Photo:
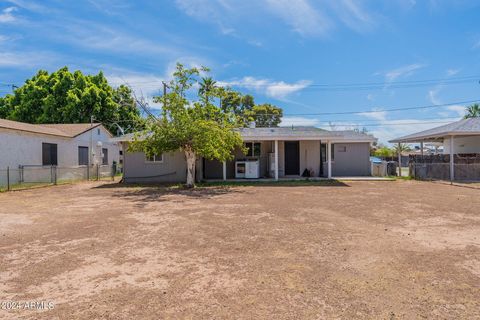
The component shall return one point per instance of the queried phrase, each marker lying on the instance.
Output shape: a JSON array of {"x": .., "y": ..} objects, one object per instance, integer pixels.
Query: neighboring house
[
  {"x": 462, "y": 136},
  {"x": 281, "y": 152},
  {"x": 459, "y": 140},
  {"x": 62, "y": 145}
]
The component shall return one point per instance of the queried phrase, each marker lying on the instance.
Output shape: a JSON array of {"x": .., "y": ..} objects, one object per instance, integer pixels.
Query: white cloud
[
  {"x": 460, "y": 110},
  {"x": 432, "y": 95},
  {"x": 98, "y": 37},
  {"x": 299, "y": 121},
  {"x": 376, "y": 115},
  {"x": 304, "y": 17},
  {"x": 148, "y": 85},
  {"x": 402, "y": 72},
  {"x": 301, "y": 16},
  {"x": 273, "y": 89},
  {"x": 452, "y": 72},
  {"x": 353, "y": 15},
  {"x": 7, "y": 15},
  {"x": 26, "y": 59},
  {"x": 29, "y": 5}
]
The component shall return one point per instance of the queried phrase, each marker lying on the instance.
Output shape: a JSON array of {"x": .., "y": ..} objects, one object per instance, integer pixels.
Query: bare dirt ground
[{"x": 359, "y": 250}]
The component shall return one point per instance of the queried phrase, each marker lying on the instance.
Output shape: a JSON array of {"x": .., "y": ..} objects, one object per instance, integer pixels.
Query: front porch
[{"x": 273, "y": 160}]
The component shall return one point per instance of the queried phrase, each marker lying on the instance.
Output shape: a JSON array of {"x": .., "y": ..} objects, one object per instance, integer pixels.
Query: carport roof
[{"x": 464, "y": 127}]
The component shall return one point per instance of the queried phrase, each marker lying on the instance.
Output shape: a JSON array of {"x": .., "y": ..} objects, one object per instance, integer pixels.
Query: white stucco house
[
  {"x": 62, "y": 145},
  {"x": 460, "y": 142}
]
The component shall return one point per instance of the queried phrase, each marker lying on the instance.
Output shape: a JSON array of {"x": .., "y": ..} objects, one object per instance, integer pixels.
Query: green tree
[
  {"x": 265, "y": 115},
  {"x": 66, "y": 97},
  {"x": 3, "y": 108},
  {"x": 473, "y": 111},
  {"x": 197, "y": 128},
  {"x": 383, "y": 152},
  {"x": 401, "y": 147},
  {"x": 207, "y": 88}
]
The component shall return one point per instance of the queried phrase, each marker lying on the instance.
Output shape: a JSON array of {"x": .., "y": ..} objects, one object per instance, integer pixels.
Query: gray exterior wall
[
  {"x": 172, "y": 169},
  {"x": 354, "y": 161},
  {"x": 350, "y": 159}
]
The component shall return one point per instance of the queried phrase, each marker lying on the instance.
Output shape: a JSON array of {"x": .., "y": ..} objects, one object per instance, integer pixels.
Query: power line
[
  {"x": 344, "y": 86},
  {"x": 380, "y": 111},
  {"x": 383, "y": 124}
]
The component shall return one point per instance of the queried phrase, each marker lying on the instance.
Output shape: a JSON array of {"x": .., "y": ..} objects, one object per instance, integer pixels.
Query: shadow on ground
[{"x": 159, "y": 192}]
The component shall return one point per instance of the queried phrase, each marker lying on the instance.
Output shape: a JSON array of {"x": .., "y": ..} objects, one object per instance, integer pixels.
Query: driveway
[{"x": 363, "y": 250}]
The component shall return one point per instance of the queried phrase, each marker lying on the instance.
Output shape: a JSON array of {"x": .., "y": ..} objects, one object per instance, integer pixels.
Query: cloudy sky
[{"x": 315, "y": 59}]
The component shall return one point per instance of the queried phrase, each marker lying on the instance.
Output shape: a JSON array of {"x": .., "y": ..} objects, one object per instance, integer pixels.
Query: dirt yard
[{"x": 360, "y": 250}]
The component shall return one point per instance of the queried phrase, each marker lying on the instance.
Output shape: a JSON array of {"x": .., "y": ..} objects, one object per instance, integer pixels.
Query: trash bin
[{"x": 392, "y": 168}]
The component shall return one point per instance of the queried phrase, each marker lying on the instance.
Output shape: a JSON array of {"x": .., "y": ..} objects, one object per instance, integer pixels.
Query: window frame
[
  {"x": 104, "y": 152},
  {"x": 251, "y": 149},
  {"x": 50, "y": 155},
  {"x": 88, "y": 155}
]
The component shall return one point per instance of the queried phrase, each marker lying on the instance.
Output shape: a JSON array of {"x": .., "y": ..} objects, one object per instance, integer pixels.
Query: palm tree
[
  {"x": 473, "y": 111},
  {"x": 207, "y": 87},
  {"x": 401, "y": 147}
]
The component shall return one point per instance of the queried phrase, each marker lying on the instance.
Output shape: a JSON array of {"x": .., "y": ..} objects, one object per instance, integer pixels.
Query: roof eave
[{"x": 432, "y": 137}]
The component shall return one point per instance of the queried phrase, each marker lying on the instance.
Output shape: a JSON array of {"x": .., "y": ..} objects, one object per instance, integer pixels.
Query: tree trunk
[{"x": 190, "y": 157}]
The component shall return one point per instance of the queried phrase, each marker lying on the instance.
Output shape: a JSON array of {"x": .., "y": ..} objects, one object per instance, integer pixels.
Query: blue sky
[{"x": 273, "y": 49}]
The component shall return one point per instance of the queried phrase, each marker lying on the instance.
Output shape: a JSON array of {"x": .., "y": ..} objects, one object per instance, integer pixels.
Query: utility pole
[
  {"x": 165, "y": 86},
  {"x": 90, "y": 156}
]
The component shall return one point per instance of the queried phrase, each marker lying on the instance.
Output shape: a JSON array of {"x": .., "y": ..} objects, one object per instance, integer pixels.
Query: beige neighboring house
[{"x": 63, "y": 145}]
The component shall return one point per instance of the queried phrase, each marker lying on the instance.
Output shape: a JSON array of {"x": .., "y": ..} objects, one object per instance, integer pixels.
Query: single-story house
[
  {"x": 62, "y": 145},
  {"x": 460, "y": 138},
  {"x": 280, "y": 152}
]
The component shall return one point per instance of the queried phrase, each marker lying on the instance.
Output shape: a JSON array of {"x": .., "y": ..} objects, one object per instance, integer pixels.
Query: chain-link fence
[{"x": 24, "y": 177}]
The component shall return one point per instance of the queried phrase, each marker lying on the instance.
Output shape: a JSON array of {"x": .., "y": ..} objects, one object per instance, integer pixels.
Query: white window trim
[{"x": 154, "y": 159}]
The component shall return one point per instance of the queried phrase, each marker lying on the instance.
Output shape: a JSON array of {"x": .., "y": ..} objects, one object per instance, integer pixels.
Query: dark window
[
  {"x": 120, "y": 152},
  {"x": 98, "y": 131},
  {"x": 104, "y": 156},
  {"x": 324, "y": 152},
  {"x": 253, "y": 149},
  {"x": 49, "y": 154},
  {"x": 83, "y": 156}
]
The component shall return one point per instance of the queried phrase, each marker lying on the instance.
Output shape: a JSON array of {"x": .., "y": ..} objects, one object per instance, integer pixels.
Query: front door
[{"x": 292, "y": 158}]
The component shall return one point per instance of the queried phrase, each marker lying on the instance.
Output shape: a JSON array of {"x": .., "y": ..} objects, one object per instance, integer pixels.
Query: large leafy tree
[
  {"x": 246, "y": 111},
  {"x": 266, "y": 115},
  {"x": 473, "y": 111},
  {"x": 198, "y": 128},
  {"x": 66, "y": 97}
]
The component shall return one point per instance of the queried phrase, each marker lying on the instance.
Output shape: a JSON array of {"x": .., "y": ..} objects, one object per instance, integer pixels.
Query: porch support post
[
  {"x": 421, "y": 148},
  {"x": 452, "y": 161},
  {"x": 276, "y": 159},
  {"x": 399, "y": 159},
  {"x": 224, "y": 170},
  {"x": 329, "y": 160}
]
